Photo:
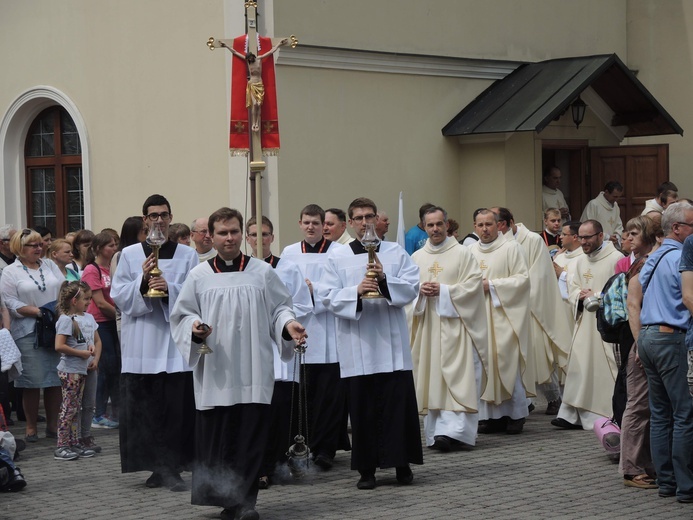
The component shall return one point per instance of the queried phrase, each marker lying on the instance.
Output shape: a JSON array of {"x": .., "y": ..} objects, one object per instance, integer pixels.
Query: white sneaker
[{"x": 65, "y": 453}]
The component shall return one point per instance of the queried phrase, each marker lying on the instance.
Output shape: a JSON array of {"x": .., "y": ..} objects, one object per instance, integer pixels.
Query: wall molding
[{"x": 394, "y": 63}]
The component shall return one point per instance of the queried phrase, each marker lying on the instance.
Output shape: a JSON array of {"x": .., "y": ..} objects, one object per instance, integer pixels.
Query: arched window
[{"x": 53, "y": 159}]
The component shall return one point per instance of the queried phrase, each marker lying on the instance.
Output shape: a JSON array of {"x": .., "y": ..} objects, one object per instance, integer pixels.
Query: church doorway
[{"x": 571, "y": 159}]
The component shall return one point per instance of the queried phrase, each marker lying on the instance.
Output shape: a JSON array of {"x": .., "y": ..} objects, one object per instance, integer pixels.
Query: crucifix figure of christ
[{"x": 255, "y": 90}]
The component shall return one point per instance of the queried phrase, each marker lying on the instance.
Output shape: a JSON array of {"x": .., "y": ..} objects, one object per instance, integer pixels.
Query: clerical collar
[
  {"x": 357, "y": 247},
  {"x": 219, "y": 265},
  {"x": 439, "y": 246},
  {"x": 549, "y": 232},
  {"x": 166, "y": 251},
  {"x": 320, "y": 247},
  {"x": 482, "y": 245}
]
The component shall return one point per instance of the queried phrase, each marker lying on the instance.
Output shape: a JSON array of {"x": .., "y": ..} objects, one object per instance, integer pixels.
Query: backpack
[{"x": 612, "y": 314}]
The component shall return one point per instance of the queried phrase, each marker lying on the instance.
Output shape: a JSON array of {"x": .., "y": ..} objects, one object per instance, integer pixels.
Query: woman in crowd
[
  {"x": 97, "y": 275},
  {"x": 26, "y": 285},
  {"x": 636, "y": 461},
  {"x": 80, "y": 246},
  {"x": 132, "y": 232},
  {"x": 46, "y": 238},
  {"x": 60, "y": 253},
  {"x": 179, "y": 233}
]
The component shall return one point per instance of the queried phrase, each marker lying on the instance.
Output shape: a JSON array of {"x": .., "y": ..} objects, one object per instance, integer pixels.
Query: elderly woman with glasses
[{"x": 26, "y": 285}]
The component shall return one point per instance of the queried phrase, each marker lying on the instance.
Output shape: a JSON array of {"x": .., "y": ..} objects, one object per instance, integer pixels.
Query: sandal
[{"x": 643, "y": 481}]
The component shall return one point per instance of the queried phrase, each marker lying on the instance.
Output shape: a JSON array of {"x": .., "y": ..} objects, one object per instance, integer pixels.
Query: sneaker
[
  {"x": 82, "y": 451},
  {"x": 104, "y": 423},
  {"x": 65, "y": 453},
  {"x": 88, "y": 442}
]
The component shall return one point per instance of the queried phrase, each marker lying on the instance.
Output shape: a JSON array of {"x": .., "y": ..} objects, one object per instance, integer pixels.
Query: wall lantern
[{"x": 578, "y": 110}]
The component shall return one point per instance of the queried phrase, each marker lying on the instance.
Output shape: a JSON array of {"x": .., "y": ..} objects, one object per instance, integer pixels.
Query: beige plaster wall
[
  {"x": 350, "y": 134},
  {"x": 660, "y": 48},
  {"x": 152, "y": 95},
  {"x": 525, "y": 30}
]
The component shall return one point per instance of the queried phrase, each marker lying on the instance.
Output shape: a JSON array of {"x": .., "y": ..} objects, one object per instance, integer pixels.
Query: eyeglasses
[
  {"x": 264, "y": 235},
  {"x": 26, "y": 232},
  {"x": 587, "y": 237},
  {"x": 359, "y": 218},
  {"x": 202, "y": 232},
  {"x": 35, "y": 246},
  {"x": 684, "y": 224},
  {"x": 155, "y": 216}
]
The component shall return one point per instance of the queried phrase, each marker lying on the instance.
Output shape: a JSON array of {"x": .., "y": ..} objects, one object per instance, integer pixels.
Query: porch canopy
[{"x": 535, "y": 94}]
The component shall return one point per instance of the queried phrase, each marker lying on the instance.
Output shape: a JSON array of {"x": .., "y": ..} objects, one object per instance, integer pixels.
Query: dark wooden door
[{"x": 639, "y": 168}]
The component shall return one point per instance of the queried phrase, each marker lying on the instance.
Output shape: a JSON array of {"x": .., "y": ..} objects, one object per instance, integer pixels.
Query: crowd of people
[{"x": 194, "y": 339}]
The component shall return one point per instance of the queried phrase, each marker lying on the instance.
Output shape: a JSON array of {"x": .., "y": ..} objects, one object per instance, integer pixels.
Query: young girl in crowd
[{"x": 77, "y": 341}]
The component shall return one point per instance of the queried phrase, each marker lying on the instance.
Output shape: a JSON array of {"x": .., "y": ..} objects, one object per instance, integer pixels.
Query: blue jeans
[
  {"x": 108, "y": 382},
  {"x": 664, "y": 359}
]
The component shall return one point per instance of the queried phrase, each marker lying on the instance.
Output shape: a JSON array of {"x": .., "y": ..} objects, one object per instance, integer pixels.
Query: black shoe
[
  {"x": 154, "y": 481},
  {"x": 531, "y": 407},
  {"x": 174, "y": 482},
  {"x": 515, "y": 426},
  {"x": 247, "y": 513},
  {"x": 40, "y": 418},
  {"x": 16, "y": 482},
  {"x": 442, "y": 443},
  {"x": 667, "y": 493},
  {"x": 263, "y": 482},
  {"x": 562, "y": 423},
  {"x": 553, "y": 407},
  {"x": 404, "y": 475},
  {"x": 367, "y": 481},
  {"x": 493, "y": 425},
  {"x": 685, "y": 500},
  {"x": 228, "y": 514},
  {"x": 324, "y": 462}
]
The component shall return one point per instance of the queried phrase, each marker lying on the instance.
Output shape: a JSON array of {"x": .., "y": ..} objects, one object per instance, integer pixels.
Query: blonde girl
[{"x": 77, "y": 341}]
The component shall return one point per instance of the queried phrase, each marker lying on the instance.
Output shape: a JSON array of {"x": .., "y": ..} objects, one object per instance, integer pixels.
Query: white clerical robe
[
  {"x": 345, "y": 239},
  {"x": 247, "y": 310},
  {"x": 146, "y": 344},
  {"x": 507, "y": 305},
  {"x": 592, "y": 369},
  {"x": 652, "y": 205},
  {"x": 449, "y": 342},
  {"x": 319, "y": 323},
  {"x": 374, "y": 338},
  {"x": 609, "y": 216},
  {"x": 550, "y": 332},
  {"x": 552, "y": 199},
  {"x": 291, "y": 276}
]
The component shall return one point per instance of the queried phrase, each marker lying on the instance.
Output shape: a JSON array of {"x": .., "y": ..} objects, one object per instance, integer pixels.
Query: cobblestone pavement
[{"x": 542, "y": 473}]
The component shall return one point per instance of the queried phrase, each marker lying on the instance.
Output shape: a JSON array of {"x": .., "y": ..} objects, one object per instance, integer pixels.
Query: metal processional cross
[{"x": 254, "y": 96}]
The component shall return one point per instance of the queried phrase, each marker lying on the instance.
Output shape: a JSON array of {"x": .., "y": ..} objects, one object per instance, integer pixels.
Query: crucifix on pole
[{"x": 252, "y": 134}]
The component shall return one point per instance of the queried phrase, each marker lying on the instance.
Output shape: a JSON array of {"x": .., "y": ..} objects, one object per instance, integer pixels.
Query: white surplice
[
  {"x": 247, "y": 310},
  {"x": 449, "y": 342},
  {"x": 146, "y": 343},
  {"x": 376, "y": 338},
  {"x": 291, "y": 276},
  {"x": 319, "y": 323}
]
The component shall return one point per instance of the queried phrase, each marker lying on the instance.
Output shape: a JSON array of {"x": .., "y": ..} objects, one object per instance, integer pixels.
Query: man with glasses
[
  {"x": 157, "y": 410},
  {"x": 374, "y": 354},
  {"x": 6, "y": 256},
  {"x": 327, "y": 405},
  {"x": 592, "y": 370},
  {"x": 202, "y": 239},
  {"x": 662, "y": 350}
]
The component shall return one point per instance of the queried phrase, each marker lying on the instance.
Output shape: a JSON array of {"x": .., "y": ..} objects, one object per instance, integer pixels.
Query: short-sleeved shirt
[
  {"x": 99, "y": 279},
  {"x": 64, "y": 327},
  {"x": 686, "y": 264}
]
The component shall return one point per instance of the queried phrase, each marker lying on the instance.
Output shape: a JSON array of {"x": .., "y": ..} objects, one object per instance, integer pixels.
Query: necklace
[{"x": 43, "y": 280}]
